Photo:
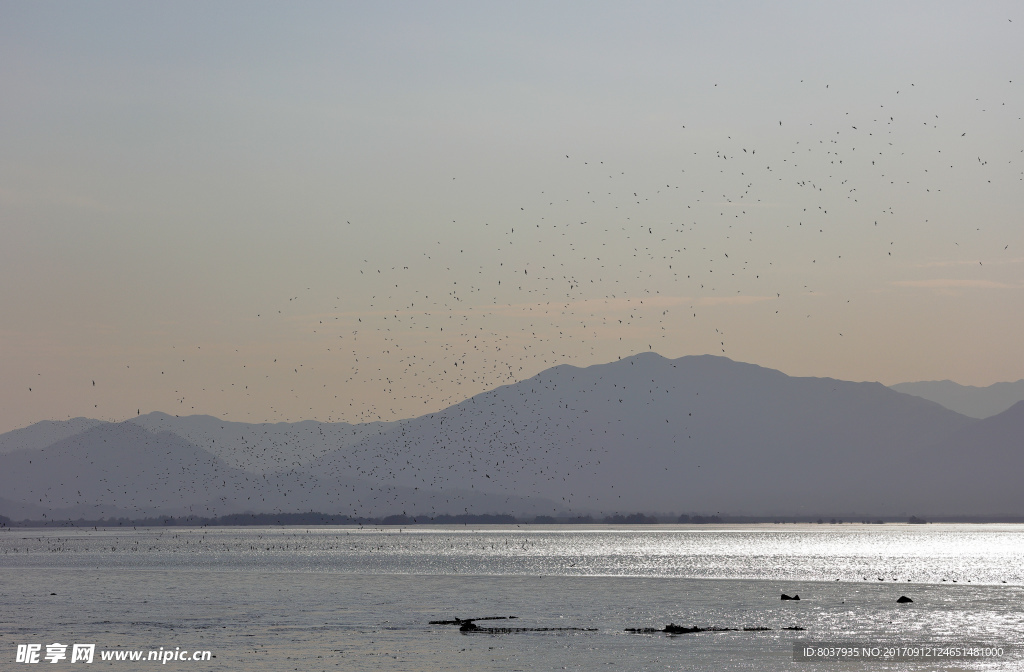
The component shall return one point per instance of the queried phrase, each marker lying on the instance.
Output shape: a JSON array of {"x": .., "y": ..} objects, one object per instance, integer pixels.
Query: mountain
[
  {"x": 123, "y": 469},
  {"x": 974, "y": 402},
  {"x": 977, "y": 469},
  {"x": 115, "y": 468},
  {"x": 701, "y": 434},
  {"x": 262, "y": 448},
  {"x": 44, "y": 433}
]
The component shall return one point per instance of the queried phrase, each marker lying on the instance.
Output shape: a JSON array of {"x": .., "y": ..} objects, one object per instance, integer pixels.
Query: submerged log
[
  {"x": 470, "y": 626},
  {"x": 460, "y": 621}
]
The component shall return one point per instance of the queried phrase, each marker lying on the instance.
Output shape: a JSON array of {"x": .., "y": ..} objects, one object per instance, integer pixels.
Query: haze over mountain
[
  {"x": 122, "y": 469},
  {"x": 44, "y": 433},
  {"x": 700, "y": 434},
  {"x": 979, "y": 463},
  {"x": 262, "y": 448},
  {"x": 975, "y": 402}
]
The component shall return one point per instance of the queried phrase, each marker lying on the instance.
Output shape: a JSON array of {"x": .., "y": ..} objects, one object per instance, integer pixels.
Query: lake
[{"x": 346, "y": 598}]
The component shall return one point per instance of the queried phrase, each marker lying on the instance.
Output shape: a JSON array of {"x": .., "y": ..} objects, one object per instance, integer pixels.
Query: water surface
[{"x": 361, "y": 599}]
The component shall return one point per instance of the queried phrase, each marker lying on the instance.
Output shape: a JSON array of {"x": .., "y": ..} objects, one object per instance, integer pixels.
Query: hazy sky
[{"x": 353, "y": 211}]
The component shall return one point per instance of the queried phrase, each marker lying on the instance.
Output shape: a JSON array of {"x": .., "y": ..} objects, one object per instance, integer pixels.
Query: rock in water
[
  {"x": 904, "y": 599},
  {"x": 787, "y": 597}
]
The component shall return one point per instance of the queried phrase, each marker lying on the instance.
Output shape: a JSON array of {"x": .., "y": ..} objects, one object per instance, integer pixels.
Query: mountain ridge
[
  {"x": 974, "y": 402},
  {"x": 697, "y": 434}
]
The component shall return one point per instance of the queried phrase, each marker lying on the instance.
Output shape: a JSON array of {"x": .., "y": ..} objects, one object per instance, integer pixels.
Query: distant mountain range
[
  {"x": 974, "y": 402},
  {"x": 700, "y": 434}
]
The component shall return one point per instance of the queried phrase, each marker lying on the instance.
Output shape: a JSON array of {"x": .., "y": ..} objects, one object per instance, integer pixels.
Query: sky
[{"x": 371, "y": 211}]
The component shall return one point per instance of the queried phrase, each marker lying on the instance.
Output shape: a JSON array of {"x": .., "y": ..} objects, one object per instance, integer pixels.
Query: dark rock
[
  {"x": 787, "y": 597},
  {"x": 673, "y": 629},
  {"x": 904, "y": 599}
]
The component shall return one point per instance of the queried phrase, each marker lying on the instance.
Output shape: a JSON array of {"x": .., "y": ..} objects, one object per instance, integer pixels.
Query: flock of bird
[
  {"x": 607, "y": 262},
  {"x": 610, "y": 256}
]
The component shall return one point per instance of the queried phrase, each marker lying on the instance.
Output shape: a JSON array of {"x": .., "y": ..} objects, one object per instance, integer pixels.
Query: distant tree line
[
  {"x": 243, "y": 519},
  {"x": 316, "y": 518}
]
